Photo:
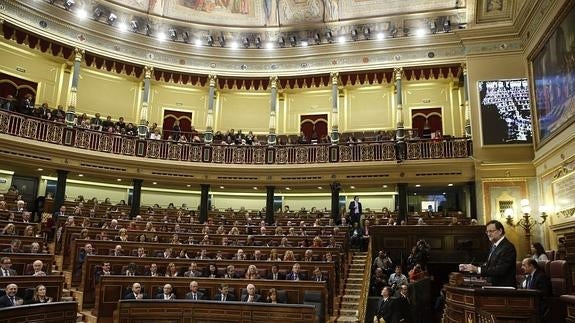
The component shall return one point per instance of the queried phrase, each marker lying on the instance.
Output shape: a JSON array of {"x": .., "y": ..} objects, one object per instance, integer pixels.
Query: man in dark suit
[
  {"x": 105, "y": 271},
  {"x": 5, "y": 269},
  {"x": 500, "y": 266},
  {"x": 167, "y": 294},
  {"x": 275, "y": 274},
  {"x": 224, "y": 294},
  {"x": 535, "y": 278},
  {"x": 10, "y": 298},
  {"x": 404, "y": 304},
  {"x": 295, "y": 274},
  {"x": 386, "y": 307},
  {"x": 193, "y": 271},
  {"x": 136, "y": 292},
  {"x": 355, "y": 235},
  {"x": 251, "y": 296},
  {"x": 355, "y": 210},
  {"x": 153, "y": 271},
  {"x": 194, "y": 294}
]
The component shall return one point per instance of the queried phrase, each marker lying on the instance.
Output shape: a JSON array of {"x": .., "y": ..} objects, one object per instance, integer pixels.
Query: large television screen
[{"x": 505, "y": 112}]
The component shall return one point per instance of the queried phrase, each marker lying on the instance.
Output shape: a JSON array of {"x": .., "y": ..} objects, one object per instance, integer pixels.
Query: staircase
[
  {"x": 69, "y": 294},
  {"x": 349, "y": 301}
]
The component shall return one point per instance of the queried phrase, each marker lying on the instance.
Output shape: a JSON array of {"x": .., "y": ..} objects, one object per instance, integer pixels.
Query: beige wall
[
  {"x": 302, "y": 103},
  {"x": 243, "y": 110},
  {"x": 101, "y": 192},
  {"x": 320, "y": 202},
  {"x": 108, "y": 93},
  {"x": 165, "y": 197},
  {"x": 21, "y": 62},
  {"x": 178, "y": 97},
  {"x": 367, "y": 108},
  {"x": 249, "y": 201}
]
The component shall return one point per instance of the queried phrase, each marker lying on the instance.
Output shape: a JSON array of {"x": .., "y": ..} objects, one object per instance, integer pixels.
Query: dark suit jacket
[
  {"x": 388, "y": 310},
  {"x": 197, "y": 273},
  {"x": 257, "y": 298},
  {"x": 5, "y": 301},
  {"x": 291, "y": 276},
  {"x": 541, "y": 282},
  {"x": 161, "y": 296},
  {"x": 229, "y": 298},
  {"x": 500, "y": 267},
  {"x": 130, "y": 295},
  {"x": 404, "y": 309},
  {"x": 12, "y": 272},
  {"x": 352, "y": 208},
  {"x": 200, "y": 295}
]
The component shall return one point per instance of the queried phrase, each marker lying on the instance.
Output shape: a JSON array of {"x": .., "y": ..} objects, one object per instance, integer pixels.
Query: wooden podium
[{"x": 483, "y": 305}]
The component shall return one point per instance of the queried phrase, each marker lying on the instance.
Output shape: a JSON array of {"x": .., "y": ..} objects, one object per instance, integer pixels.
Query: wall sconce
[
  {"x": 508, "y": 214},
  {"x": 526, "y": 222}
]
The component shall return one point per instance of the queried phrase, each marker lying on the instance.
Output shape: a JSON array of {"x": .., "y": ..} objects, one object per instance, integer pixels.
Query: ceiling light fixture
[
  {"x": 172, "y": 33},
  {"x": 317, "y": 38},
  {"x": 432, "y": 27},
  {"x": 123, "y": 27},
  {"x": 222, "y": 40},
  {"x": 367, "y": 33},
  {"x": 234, "y": 45},
  {"x": 148, "y": 30},
  {"x": 210, "y": 40},
  {"x": 270, "y": 45},
  {"x": 68, "y": 4},
  {"x": 198, "y": 42},
  {"x": 447, "y": 26},
  {"x": 329, "y": 37},
  {"x": 134, "y": 26},
  {"x": 98, "y": 13},
  {"x": 282, "y": 42},
  {"x": 258, "y": 42},
  {"x": 161, "y": 36},
  {"x": 354, "y": 34},
  {"x": 186, "y": 36},
  {"x": 304, "y": 43},
  {"x": 393, "y": 32},
  {"x": 420, "y": 32},
  {"x": 246, "y": 42},
  {"x": 341, "y": 39},
  {"x": 380, "y": 36},
  {"x": 80, "y": 175},
  {"x": 293, "y": 41},
  {"x": 82, "y": 14}
]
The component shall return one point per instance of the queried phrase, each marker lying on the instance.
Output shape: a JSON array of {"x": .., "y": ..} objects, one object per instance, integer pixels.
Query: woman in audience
[
  {"x": 211, "y": 271},
  {"x": 29, "y": 231},
  {"x": 274, "y": 255},
  {"x": 234, "y": 231},
  {"x": 35, "y": 247},
  {"x": 171, "y": 270},
  {"x": 252, "y": 272},
  {"x": 122, "y": 235},
  {"x": 141, "y": 238},
  {"x": 538, "y": 252},
  {"x": 272, "y": 296},
  {"x": 9, "y": 230},
  {"x": 40, "y": 296},
  {"x": 289, "y": 256}
]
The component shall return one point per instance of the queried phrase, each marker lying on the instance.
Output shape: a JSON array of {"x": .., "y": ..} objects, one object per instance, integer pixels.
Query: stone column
[
  {"x": 466, "y": 101},
  {"x": 204, "y": 203},
  {"x": 136, "y": 197},
  {"x": 400, "y": 131},
  {"x": 272, "y": 136},
  {"x": 60, "y": 189},
  {"x": 270, "y": 212},
  {"x": 472, "y": 200},
  {"x": 209, "y": 134},
  {"x": 73, "y": 97},
  {"x": 402, "y": 202},
  {"x": 334, "y": 104},
  {"x": 143, "y": 126},
  {"x": 335, "y": 189}
]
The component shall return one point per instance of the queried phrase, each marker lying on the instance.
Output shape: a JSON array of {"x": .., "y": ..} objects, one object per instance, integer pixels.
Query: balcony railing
[{"x": 59, "y": 134}]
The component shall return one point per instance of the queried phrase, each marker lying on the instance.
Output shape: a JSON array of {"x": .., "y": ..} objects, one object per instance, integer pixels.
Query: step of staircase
[
  {"x": 347, "y": 319},
  {"x": 349, "y": 301},
  {"x": 88, "y": 317}
]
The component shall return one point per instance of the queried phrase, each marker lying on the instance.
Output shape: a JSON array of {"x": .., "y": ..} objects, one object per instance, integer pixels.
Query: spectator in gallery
[
  {"x": 40, "y": 296},
  {"x": 176, "y": 131},
  {"x": 538, "y": 252}
]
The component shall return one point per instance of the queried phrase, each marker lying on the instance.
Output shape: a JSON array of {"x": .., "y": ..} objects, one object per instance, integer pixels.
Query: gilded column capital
[
  {"x": 148, "y": 71},
  {"x": 213, "y": 78},
  {"x": 398, "y": 72},
  {"x": 78, "y": 54},
  {"x": 334, "y": 78},
  {"x": 274, "y": 81}
]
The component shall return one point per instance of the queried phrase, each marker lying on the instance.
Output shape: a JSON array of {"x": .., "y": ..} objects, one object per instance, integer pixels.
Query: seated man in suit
[
  {"x": 6, "y": 270},
  {"x": 317, "y": 275},
  {"x": 251, "y": 296},
  {"x": 136, "y": 292},
  {"x": 224, "y": 294},
  {"x": 167, "y": 294},
  {"x": 274, "y": 274},
  {"x": 14, "y": 247},
  {"x": 231, "y": 272},
  {"x": 194, "y": 294},
  {"x": 10, "y": 299},
  {"x": 386, "y": 308},
  {"x": 37, "y": 266},
  {"x": 535, "y": 278},
  {"x": 193, "y": 271},
  {"x": 295, "y": 273},
  {"x": 117, "y": 252},
  {"x": 105, "y": 271}
]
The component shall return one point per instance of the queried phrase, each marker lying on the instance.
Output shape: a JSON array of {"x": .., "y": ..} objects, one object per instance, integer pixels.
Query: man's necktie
[
  {"x": 491, "y": 251},
  {"x": 528, "y": 282},
  {"x": 13, "y": 300},
  {"x": 6, "y": 272}
]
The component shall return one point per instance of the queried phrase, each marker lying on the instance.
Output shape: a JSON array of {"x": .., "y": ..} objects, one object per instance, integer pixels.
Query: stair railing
[{"x": 363, "y": 297}]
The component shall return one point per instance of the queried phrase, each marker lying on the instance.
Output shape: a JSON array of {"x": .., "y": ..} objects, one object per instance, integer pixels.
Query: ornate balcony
[{"x": 59, "y": 134}]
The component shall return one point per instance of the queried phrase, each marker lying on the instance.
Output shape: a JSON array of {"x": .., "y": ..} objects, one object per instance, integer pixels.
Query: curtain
[
  {"x": 16, "y": 87},
  {"x": 420, "y": 118},
  {"x": 311, "y": 123},
  {"x": 170, "y": 116}
]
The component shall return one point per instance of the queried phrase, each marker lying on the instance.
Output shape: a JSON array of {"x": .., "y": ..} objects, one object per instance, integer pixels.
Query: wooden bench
[
  {"x": 26, "y": 242},
  {"x": 93, "y": 263},
  {"x": 183, "y": 311},
  {"x": 54, "y": 284},
  {"x": 22, "y": 262},
  {"x": 56, "y": 312},
  {"x": 112, "y": 289}
]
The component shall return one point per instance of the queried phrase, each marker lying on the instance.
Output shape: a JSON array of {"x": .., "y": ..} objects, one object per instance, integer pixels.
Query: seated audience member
[
  {"x": 136, "y": 292},
  {"x": 274, "y": 274},
  {"x": 37, "y": 266},
  {"x": 105, "y": 271},
  {"x": 6, "y": 270},
  {"x": 386, "y": 307},
  {"x": 317, "y": 275},
  {"x": 356, "y": 234},
  {"x": 40, "y": 296},
  {"x": 240, "y": 255},
  {"x": 203, "y": 255},
  {"x": 252, "y": 272},
  {"x": 231, "y": 272},
  {"x": 131, "y": 270},
  {"x": 194, "y": 294},
  {"x": 35, "y": 248},
  {"x": 397, "y": 279},
  {"x": 153, "y": 271},
  {"x": 272, "y": 297},
  {"x": 251, "y": 296},
  {"x": 538, "y": 252},
  {"x": 383, "y": 261},
  {"x": 224, "y": 294},
  {"x": 172, "y": 271},
  {"x": 9, "y": 230},
  {"x": 167, "y": 293},
  {"x": 14, "y": 247},
  {"x": 117, "y": 252},
  {"x": 295, "y": 273},
  {"x": 10, "y": 298},
  {"x": 535, "y": 278},
  {"x": 211, "y": 271},
  {"x": 141, "y": 252},
  {"x": 193, "y": 271},
  {"x": 378, "y": 281}
]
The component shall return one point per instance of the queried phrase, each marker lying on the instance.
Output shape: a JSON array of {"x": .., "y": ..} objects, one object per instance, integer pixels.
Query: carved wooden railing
[{"x": 59, "y": 134}]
